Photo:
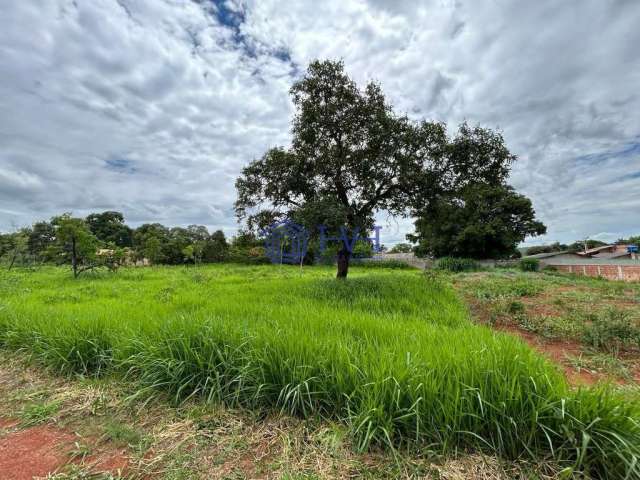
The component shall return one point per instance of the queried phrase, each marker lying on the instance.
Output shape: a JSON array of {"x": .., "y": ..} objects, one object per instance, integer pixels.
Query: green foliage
[
  {"x": 401, "y": 248},
  {"x": 529, "y": 264},
  {"x": 362, "y": 249},
  {"x": 389, "y": 264},
  {"x": 479, "y": 221},
  {"x": 41, "y": 238},
  {"x": 109, "y": 227},
  {"x": 189, "y": 253},
  {"x": 580, "y": 245},
  {"x": 611, "y": 330},
  {"x": 554, "y": 247},
  {"x": 112, "y": 257},
  {"x": 38, "y": 412},
  {"x": 14, "y": 249},
  {"x": 453, "y": 264},
  {"x": 122, "y": 434},
  {"x": 390, "y": 354},
  {"x": 178, "y": 245},
  {"x": 216, "y": 247},
  {"x": 505, "y": 288}
]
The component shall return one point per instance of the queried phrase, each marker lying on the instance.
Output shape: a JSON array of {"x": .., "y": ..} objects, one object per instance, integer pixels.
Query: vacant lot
[
  {"x": 392, "y": 356},
  {"x": 590, "y": 326}
]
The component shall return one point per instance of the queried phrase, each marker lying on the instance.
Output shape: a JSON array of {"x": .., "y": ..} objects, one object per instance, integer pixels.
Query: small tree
[
  {"x": 152, "y": 249},
  {"x": 16, "y": 248},
  {"x": 76, "y": 241},
  {"x": 193, "y": 253}
]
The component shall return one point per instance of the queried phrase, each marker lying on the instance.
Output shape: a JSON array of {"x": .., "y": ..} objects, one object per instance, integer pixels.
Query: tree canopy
[
  {"x": 110, "y": 227},
  {"x": 479, "y": 221},
  {"x": 351, "y": 155}
]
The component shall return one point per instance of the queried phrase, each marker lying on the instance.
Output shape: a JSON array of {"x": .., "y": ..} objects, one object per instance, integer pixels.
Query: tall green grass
[{"x": 392, "y": 354}]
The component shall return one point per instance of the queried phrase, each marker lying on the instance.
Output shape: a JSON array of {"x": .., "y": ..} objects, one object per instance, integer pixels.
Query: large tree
[
  {"x": 478, "y": 221},
  {"x": 351, "y": 156}
]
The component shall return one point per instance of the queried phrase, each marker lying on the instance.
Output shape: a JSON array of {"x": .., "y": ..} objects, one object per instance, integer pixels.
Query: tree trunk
[
  {"x": 13, "y": 259},
  {"x": 343, "y": 263},
  {"x": 74, "y": 258}
]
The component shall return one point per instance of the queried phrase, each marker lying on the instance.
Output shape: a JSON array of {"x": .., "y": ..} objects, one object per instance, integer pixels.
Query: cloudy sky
[{"x": 152, "y": 107}]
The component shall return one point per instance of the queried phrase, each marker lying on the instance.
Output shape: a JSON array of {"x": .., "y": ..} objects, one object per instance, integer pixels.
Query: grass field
[{"x": 391, "y": 354}]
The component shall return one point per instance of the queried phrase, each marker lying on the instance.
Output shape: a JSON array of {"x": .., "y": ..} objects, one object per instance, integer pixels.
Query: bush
[
  {"x": 529, "y": 264},
  {"x": 393, "y": 264},
  {"x": 611, "y": 331},
  {"x": 401, "y": 248},
  {"x": 251, "y": 256},
  {"x": 508, "y": 288},
  {"x": 453, "y": 264}
]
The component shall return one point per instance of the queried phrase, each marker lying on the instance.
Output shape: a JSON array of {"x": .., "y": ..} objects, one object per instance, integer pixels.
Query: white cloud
[{"x": 153, "y": 107}]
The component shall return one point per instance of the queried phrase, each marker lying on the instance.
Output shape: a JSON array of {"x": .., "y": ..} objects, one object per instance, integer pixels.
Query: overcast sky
[{"x": 152, "y": 107}]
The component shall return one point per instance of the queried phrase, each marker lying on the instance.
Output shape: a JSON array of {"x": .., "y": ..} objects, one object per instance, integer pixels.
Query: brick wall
[{"x": 628, "y": 273}]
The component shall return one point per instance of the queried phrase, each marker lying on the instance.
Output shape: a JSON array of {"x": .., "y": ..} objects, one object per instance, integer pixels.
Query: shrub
[
  {"x": 508, "y": 288},
  {"x": 454, "y": 264},
  {"x": 515, "y": 306},
  {"x": 529, "y": 264},
  {"x": 252, "y": 255},
  {"x": 394, "y": 264},
  {"x": 611, "y": 330},
  {"x": 401, "y": 248}
]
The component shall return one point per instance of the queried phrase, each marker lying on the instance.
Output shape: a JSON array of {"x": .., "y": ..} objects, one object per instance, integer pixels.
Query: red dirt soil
[
  {"x": 556, "y": 350},
  {"x": 34, "y": 452},
  {"x": 45, "y": 449}
]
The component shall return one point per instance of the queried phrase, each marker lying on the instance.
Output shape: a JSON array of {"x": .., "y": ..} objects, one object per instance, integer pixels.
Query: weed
[
  {"x": 515, "y": 307},
  {"x": 529, "y": 264},
  {"x": 511, "y": 288},
  {"x": 38, "y": 412},
  {"x": 122, "y": 434},
  {"x": 602, "y": 363},
  {"x": 453, "y": 264},
  {"x": 611, "y": 330}
]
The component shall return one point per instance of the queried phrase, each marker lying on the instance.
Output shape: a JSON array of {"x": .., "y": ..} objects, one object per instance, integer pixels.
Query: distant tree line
[
  {"x": 105, "y": 240},
  {"x": 578, "y": 246}
]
